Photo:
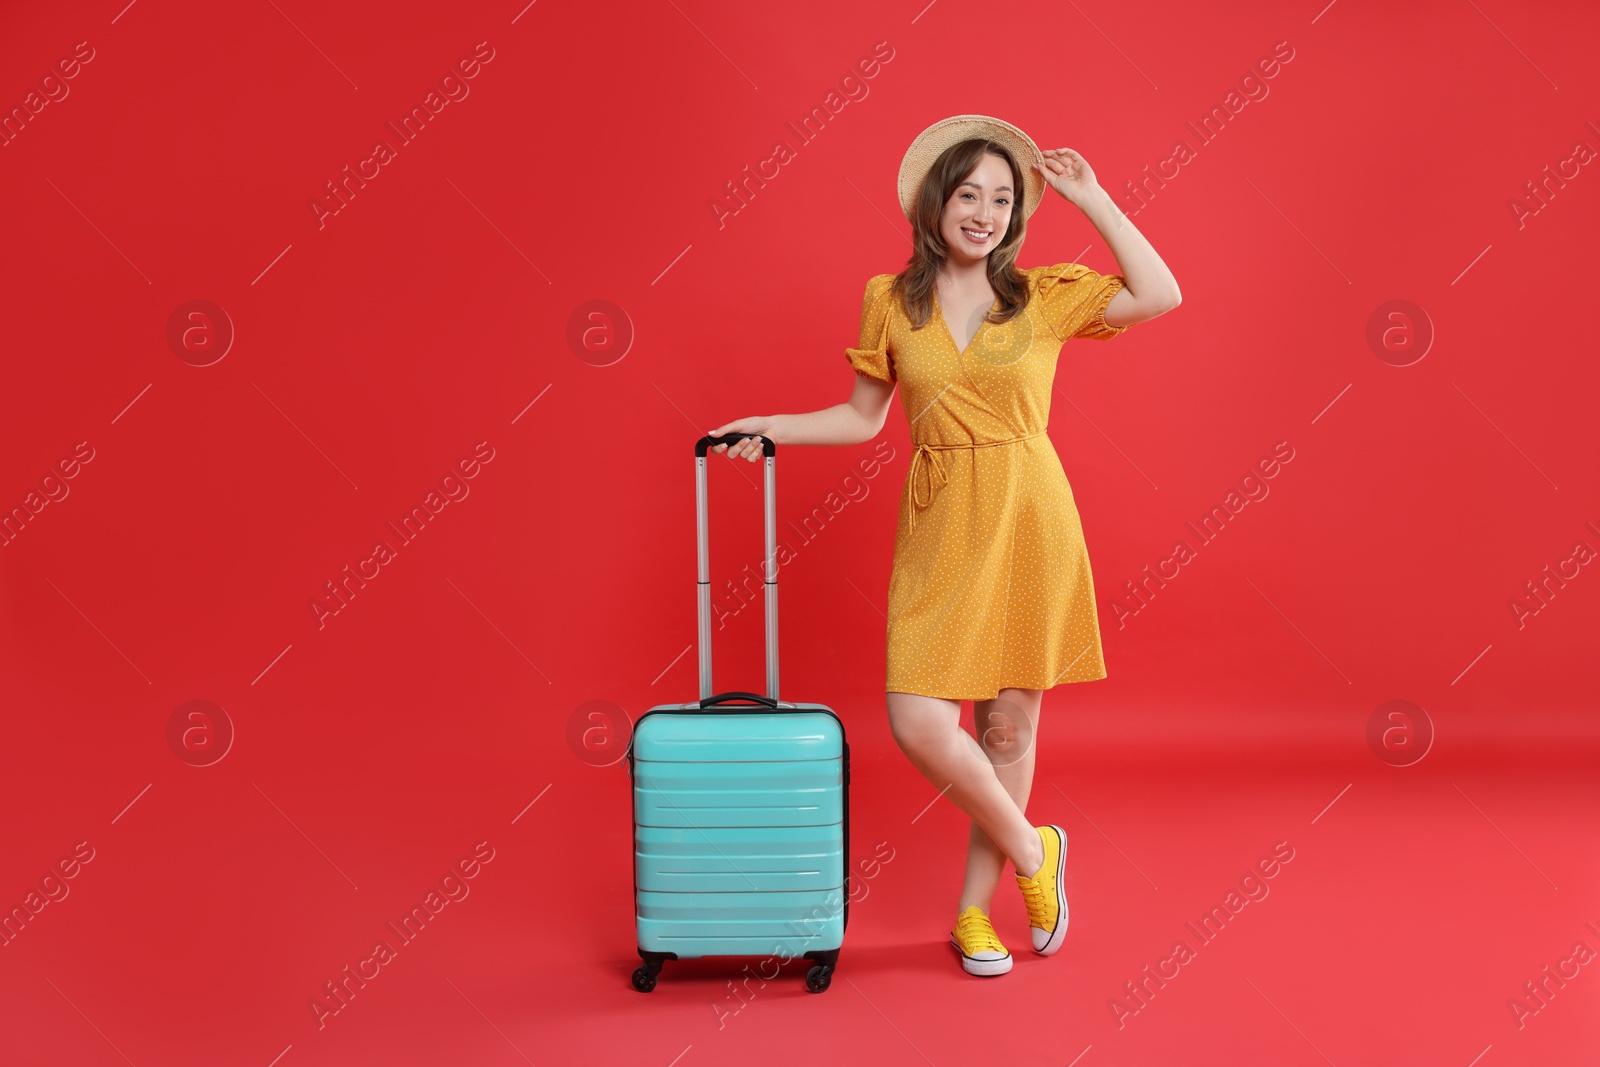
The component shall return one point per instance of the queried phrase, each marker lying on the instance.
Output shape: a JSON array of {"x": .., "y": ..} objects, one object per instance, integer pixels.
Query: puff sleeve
[
  {"x": 1075, "y": 300},
  {"x": 872, "y": 357}
]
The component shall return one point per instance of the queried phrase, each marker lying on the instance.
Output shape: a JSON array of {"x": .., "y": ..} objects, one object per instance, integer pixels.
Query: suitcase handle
[
  {"x": 768, "y": 446},
  {"x": 769, "y": 450},
  {"x": 722, "y": 698}
]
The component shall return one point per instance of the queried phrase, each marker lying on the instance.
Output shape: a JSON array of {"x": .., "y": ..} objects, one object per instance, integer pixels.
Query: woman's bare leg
[
  {"x": 1008, "y": 730},
  {"x": 928, "y": 730}
]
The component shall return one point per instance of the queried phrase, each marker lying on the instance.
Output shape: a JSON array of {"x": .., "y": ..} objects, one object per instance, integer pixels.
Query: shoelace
[
  {"x": 978, "y": 936},
  {"x": 1033, "y": 897}
]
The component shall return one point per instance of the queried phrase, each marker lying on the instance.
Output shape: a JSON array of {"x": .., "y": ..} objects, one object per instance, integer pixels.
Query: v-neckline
[{"x": 938, "y": 306}]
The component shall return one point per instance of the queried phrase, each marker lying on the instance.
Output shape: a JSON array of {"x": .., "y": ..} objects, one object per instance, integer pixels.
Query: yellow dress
[{"x": 991, "y": 587}]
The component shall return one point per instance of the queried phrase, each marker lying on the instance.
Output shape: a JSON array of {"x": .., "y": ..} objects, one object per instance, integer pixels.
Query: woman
[{"x": 991, "y": 598}]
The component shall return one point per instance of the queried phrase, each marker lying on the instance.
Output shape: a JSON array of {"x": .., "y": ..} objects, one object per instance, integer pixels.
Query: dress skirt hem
[{"x": 991, "y": 696}]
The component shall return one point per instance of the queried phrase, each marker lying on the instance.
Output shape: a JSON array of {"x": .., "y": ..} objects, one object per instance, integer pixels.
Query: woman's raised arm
[{"x": 1150, "y": 288}]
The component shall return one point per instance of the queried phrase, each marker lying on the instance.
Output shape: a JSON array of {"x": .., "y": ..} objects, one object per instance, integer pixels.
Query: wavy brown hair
[{"x": 913, "y": 287}]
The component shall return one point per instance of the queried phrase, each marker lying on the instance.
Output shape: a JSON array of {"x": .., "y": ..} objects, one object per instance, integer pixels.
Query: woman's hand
[
  {"x": 1067, "y": 173},
  {"x": 750, "y": 447}
]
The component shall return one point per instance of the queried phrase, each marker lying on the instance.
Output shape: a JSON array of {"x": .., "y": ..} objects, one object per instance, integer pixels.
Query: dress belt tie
[{"x": 935, "y": 465}]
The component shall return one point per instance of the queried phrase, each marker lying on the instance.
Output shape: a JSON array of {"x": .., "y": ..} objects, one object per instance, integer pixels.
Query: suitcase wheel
[
  {"x": 819, "y": 977},
  {"x": 644, "y": 977}
]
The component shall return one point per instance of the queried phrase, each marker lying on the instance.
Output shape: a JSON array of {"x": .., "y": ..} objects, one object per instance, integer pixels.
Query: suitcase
[{"x": 741, "y": 811}]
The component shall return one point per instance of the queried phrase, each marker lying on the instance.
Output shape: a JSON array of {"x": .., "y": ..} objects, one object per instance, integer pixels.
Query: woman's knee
[
  {"x": 907, "y": 727},
  {"x": 916, "y": 720},
  {"x": 1006, "y": 724}
]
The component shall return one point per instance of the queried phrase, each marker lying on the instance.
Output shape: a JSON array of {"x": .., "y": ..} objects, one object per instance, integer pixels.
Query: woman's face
[{"x": 978, "y": 212}]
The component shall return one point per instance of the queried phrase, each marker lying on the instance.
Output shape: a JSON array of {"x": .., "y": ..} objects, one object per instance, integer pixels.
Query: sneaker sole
[
  {"x": 982, "y": 968},
  {"x": 1059, "y": 934}
]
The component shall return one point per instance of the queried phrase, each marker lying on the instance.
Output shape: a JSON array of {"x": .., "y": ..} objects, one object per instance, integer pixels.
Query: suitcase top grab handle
[
  {"x": 736, "y": 694},
  {"x": 769, "y": 450}
]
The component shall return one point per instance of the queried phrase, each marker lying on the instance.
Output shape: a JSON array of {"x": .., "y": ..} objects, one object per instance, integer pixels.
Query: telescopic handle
[{"x": 769, "y": 450}]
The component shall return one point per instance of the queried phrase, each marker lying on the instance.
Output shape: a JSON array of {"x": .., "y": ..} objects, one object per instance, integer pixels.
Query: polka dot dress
[{"x": 991, "y": 587}]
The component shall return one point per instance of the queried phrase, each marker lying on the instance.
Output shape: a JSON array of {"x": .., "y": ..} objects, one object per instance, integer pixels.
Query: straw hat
[{"x": 931, "y": 142}]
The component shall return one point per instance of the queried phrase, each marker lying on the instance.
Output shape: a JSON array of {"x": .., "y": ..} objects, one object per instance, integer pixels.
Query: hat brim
[{"x": 932, "y": 142}]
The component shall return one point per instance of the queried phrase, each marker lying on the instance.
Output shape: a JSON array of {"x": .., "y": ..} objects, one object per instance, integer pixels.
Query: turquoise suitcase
[{"x": 741, "y": 811}]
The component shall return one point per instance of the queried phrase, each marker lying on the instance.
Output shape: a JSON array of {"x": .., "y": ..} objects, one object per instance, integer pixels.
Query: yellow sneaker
[
  {"x": 1044, "y": 893},
  {"x": 981, "y": 951}
]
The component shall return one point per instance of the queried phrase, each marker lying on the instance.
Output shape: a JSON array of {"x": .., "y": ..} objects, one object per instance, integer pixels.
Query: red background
[{"x": 445, "y": 704}]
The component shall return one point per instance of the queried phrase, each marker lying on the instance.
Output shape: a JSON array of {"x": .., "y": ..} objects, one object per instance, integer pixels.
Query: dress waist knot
[{"x": 929, "y": 453}]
